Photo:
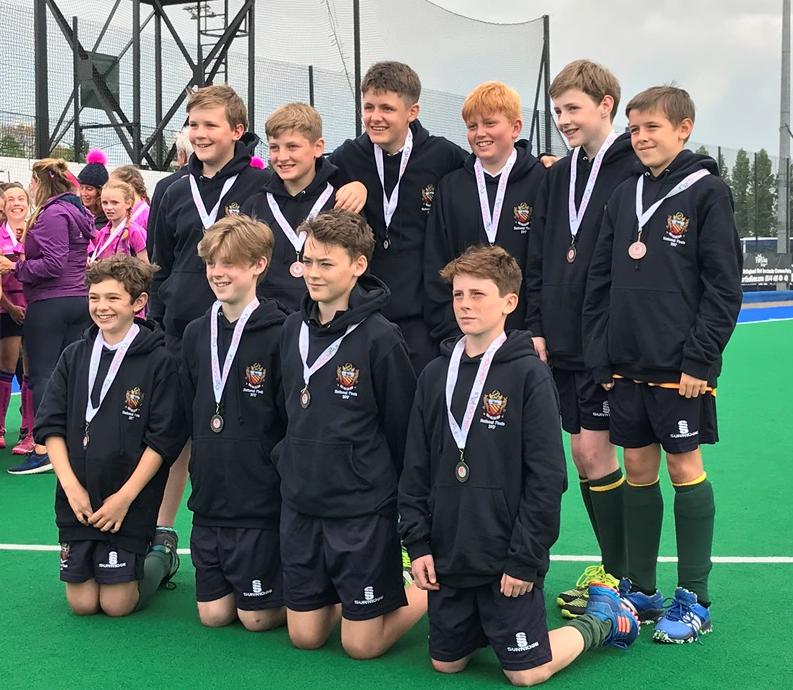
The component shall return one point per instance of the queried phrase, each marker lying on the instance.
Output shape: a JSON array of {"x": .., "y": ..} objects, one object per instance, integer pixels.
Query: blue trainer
[
  {"x": 649, "y": 608},
  {"x": 605, "y": 603},
  {"x": 685, "y": 620},
  {"x": 32, "y": 464}
]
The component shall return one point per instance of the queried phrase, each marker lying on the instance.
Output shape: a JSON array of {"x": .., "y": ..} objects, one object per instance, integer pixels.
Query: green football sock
[
  {"x": 606, "y": 495},
  {"x": 694, "y": 515},
  {"x": 586, "y": 495},
  {"x": 155, "y": 569},
  {"x": 644, "y": 514},
  {"x": 593, "y": 630}
]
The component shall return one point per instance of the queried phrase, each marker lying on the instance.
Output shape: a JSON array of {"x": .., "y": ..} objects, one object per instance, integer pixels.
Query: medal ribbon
[
  {"x": 491, "y": 221},
  {"x": 219, "y": 379},
  {"x": 142, "y": 206},
  {"x": 327, "y": 353},
  {"x": 576, "y": 217},
  {"x": 208, "y": 219},
  {"x": 12, "y": 236},
  {"x": 390, "y": 204},
  {"x": 297, "y": 240},
  {"x": 644, "y": 216},
  {"x": 460, "y": 434},
  {"x": 114, "y": 232},
  {"x": 115, "y": 365}
]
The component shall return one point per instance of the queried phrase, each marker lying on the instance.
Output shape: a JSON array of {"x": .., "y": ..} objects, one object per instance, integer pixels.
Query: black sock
[
  {"x": 694, "y": 516},
  {"x": 606, "y": 494},
  {"x": 644, "y": 514}
]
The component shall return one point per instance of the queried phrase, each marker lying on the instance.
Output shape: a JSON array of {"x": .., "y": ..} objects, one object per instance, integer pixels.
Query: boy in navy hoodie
[
  {"x": 348, "y": 385},
  {"x": 400, "y": 163},
  {"x": 662, "y": 299},
  {"x": 111, "y": 450},
  {"x": 231, "y": 381},
  {"x": 567, "y": 222},
  {"x": 488, "y": 201},
  {"x": 480, "y": 495}
]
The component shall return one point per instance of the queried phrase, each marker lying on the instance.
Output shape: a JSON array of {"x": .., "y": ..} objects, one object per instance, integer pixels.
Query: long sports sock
[
  {"x": 695, "y": 511},
  {"x": 606, "y": 494},
  {"x": 644, "y": 515}
]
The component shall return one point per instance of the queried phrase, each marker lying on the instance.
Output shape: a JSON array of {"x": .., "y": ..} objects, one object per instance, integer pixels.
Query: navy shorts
[
  {"x": 239, "y": 560},
  {"x": 100, "y": 561},
  {"x": 10, "y": 328},
  {"x": 356, "y": 561},
  {"x": 642, "y": 415},
  {"x": 463, "y": 620},
  {"x": 582, "y": 402}
]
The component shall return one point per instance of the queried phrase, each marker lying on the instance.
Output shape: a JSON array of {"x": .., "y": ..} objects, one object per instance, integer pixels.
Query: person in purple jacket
[{"x": 53, "y": 280}]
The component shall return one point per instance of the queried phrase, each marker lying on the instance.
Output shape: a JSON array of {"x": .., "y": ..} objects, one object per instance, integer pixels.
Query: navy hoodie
[
  {"x": 142, "y": 410},
  {"x": 555, "y": 288},
  {"x": 505, "y": 518},
  {"x": 233, "y": 480},
  {"x": 180, "y": 292},
  {"x": 674, "y": 310},
  {"x": 342, "y": 456},
  {"x": 278, "y": 283},
  {"x": 400, "y": 266},
  {"x": 456, "y": 224}
]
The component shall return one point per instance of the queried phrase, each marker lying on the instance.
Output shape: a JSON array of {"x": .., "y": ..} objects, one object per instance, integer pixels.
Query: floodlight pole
[
  {"x": 356, "y": 37},
  {"x": 546, "y": 59},
  {"x": 42, "y": 148},
  {"x": 783, "y": 192}
]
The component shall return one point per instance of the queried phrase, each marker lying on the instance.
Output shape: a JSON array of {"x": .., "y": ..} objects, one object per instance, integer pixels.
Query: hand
[
  {"x": 423, "y": 569},
  {"x": 111, "y": 514},
  {"x": 6, "y": 265},
  {"x": 691, "y": 387},
  {"x": 80, "y": 504},
  {"x": 548, "y": 160},
  {"x": 608, "y": 386},
  {"x": 351, "y": 197},
  {"x": 512, "y": 587},
  {"x": 16, "y": 313},
  {"x": 539, "y": 346}
]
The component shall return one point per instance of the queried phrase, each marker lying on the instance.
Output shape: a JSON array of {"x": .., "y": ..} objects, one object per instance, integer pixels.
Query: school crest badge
[
  {"x": 255, "y": 374},
  {"x": 495, "y": 405},
  {"x": 676, "y": 229},
  {"x": 523, "y": 214},
  {"x": 427, "y": 195},
  {"x": 133, "y": 399},
  {"x": 347, "y": 376},
  {"x": 233, "y": 209}
]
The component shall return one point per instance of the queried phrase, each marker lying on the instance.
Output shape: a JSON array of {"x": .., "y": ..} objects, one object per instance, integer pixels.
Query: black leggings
[{"x": 51, "y": 325}]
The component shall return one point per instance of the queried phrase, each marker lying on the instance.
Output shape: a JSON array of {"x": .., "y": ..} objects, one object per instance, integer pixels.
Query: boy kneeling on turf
[
  {"x": 231, "y": 380},
  {"x": 111, "y": 450},
  {"x": 481, "y": 490}
]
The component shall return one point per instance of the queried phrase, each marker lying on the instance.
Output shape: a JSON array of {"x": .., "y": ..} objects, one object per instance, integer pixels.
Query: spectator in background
[
  {"x": 92, "y": 178},
  {"x": 140, "y": 208}
]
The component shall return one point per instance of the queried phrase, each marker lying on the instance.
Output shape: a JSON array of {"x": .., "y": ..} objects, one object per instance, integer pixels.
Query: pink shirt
[
  {"x": 140, "y": 215},
  {"x": 10, "y": 247},
  {"x": 131, "y": 239}
]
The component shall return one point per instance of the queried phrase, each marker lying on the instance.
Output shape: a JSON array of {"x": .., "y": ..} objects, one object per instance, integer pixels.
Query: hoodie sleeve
[
  {"x": 394, "y": 386},
  {"x": 166, "y": 431},
  {"x": 339, "y": 158},
  {"x": 595, "y": 316},
  {"x": 187, "y": 367},
  {"x": 52, "y": 236},
  {"x": 51, "y": 417},
  {"x": 438, "y": 251},
  {"x": 721, "y": 261},
  {"x": 533, "y": 286},
  {"x": 536, "y": 527},
  {"x": 164, "y": 241},
  {"x": 415, "y": 520}
]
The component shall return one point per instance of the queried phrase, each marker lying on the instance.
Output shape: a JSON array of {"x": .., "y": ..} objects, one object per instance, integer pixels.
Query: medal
[
  {"x": 216, "y": 423},
  {"x": 390, "y": 203},
  {"x": 321, "y": 361},
  {"x": 637, "y": 250},
  {"x": 460, "y": 433},
  {"x": 85, "y": 440},
  {"x": 570, "y": 256},
  {"x": 490, "y": 221},
  {"x": 386, "y": 243},
  {"x": 296, "y": 269}
]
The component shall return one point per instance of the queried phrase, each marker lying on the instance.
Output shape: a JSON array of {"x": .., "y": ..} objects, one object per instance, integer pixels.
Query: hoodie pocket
[{"x": 471, "y": 529}]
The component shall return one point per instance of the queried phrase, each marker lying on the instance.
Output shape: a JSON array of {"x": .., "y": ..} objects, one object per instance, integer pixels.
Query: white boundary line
[{"x": 554, "y": 557}]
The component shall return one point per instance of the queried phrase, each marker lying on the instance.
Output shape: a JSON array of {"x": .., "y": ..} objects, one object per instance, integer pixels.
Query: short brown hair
[
  {"x": 393, "y": 76},
  {"x": 295, "y": 117},
  {"x": 593, "y": 79},
  {"x": 491, "y": 263},
  {"x": 492, "y": 97},
  {"x": 133, "y": 273},
  {"x": 672, "y": 101},
  {"x": 220, "y": 95},
  {"x": 238, "y": 239},
  {"x": 131, "y": 175},
  {"x": 347, "y": 230}
]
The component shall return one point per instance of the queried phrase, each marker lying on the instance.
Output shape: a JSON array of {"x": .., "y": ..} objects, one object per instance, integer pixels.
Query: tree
[
  {"x": 724, "y": 171},
  {"x": 762, "y": 195},
  {"x": 741, "y": 178},
  {"x": 702, "y": 150}
]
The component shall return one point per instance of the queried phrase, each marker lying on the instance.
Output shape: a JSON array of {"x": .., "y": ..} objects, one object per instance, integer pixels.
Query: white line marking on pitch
[{"x": 554, "y": 557}]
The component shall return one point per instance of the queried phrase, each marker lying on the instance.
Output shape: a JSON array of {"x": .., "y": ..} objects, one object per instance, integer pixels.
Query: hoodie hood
[
  {"x": 149, "y": 337},
  {"x": 244, "y": 150},
  {"x": 683, "y": 164},
  {"x": 323, "y": 170},
  {"x": 518, "y": 345},
  {"x": 269, "y": 313},
  {"x": 369, "y": 295},
  {"x": 523, "y": 163},
  {"x": 420, "y": 136}
]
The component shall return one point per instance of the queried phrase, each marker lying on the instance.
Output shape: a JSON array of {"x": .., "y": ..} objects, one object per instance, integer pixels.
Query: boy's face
[
  {"x": 478, "y": 306},
  {"x": 492, "y": 137},
  {"x": 655, "y": 139},
  {"x": 387, "y": 118},
  {"x": 114, "y": 205},
  {"x": 112, "y": 308},
  {"x": 293, "y": 156},
  {"x": 581, "y": 119},
  {"x": 330, "y": 272},
  {"x": 234, "y": 283},
  {"x": 211, "y": 135}
]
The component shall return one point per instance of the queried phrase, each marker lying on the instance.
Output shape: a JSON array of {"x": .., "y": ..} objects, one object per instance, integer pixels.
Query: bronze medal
[
  {"x": 637, "y": 250},
  {"x": 305, "y": 398},
  {"x": 216, "y": 423},
  {"x": 296, "y": 269},
  {"x": 462, "y": 471},
  {"x": 570, "y": 256}
]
